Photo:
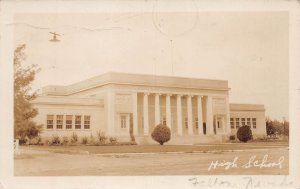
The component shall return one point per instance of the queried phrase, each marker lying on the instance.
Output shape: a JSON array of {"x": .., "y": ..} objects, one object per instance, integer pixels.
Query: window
[
  {"x": 248, "y": 122},
  {"x": 69, "y": 121},
  {"x": 87, "y": 122},
  {"x": 237, "y": 122},
  {"x": 164, "y": 121},
  {"x": 254, "y": 123},
  {"x": 123, "y": 122},
  {"x": 59, "y": 121},
  {"x": 50, "y": 121},
  {"x": 243, "y": 121},
  {"x": 232, "y": 123},
  {"x": 196, "y": 122},
  {"x": 186, "y": 122},
  {"x": 78, "y": 122}
]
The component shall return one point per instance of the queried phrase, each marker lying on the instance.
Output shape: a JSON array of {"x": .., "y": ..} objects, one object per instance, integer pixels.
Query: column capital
[
  {"x": 157, "y": 94},
  {"x": 169, "y": 94},
  {"x": 189, "y": 95},
  {"x": 146, "y": 93},
  {"x": 179, "y": 95}
]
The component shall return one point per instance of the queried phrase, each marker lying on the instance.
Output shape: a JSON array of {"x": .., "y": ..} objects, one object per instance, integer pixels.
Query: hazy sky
[{"x": 249, "y": 49}]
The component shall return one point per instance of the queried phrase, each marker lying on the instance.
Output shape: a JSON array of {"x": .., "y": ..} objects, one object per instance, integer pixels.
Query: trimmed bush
[
  {"x": 161, "y": 134},
  {"x": 244, "y": 133}
]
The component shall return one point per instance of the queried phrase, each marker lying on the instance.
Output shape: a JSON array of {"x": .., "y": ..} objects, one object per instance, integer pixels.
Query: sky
[{"x": 249, "y": 49}]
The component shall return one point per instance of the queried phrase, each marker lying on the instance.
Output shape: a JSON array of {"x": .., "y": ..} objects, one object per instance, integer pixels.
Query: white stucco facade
[{"x": 196, "y": 110}]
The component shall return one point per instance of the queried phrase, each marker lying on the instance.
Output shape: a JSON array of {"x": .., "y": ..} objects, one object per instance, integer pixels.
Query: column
[
  {"x": 157, "y": 109},
  {"x": 190, "y": 114},
  {"x": 110, "y": 113},
  {"x": 224, "y": 125},
  {"x": 135, "y": 114},
  {"x": 200, "y": 120},
  {"x": 168, "y": 110},
  {"x": 209, "y": 116},
  {"x": 227, "y": 122},
  {"x": 179, "y": 115},
  {"x": 146, "y": 119}
]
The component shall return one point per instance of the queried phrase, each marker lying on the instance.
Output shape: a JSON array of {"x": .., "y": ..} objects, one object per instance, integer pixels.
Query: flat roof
[
  {"x": 58, "y": 100},
  {"x": 247, "y": 107},
  {"x": 138, "y": 80}
]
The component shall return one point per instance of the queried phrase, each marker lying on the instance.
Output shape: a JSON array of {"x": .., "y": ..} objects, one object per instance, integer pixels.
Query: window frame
[
  {"x": 123, "y": 121},
  {"x": 243, "y": 121},
  {"x": 59, "y": 118},
  {"x": 196, "y": 122},
  {"x": 78, "y": 122},
  {"x": 69, "y": 125},
  {"x": 237, "y": 122},
  {"x": 87, "y": 122},
  {"x": 232, "y": 123},
  {"x": 254, "y": 122},
  {"x": 51, "y": 120}
]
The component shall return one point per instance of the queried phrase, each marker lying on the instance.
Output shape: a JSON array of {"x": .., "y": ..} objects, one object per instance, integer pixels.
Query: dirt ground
[{"x": 33, "y": 162}]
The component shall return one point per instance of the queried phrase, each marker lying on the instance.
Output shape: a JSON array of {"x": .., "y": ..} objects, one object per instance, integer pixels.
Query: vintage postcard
[{"x": 142, "y": 94}]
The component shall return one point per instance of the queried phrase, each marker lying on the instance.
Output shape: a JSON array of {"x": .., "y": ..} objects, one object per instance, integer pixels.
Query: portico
[{"x": 184, "y": 114}]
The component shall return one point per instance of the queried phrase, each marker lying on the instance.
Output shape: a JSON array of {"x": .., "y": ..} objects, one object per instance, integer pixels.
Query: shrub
[
  {"x": 131, "y": 129},
  {"x": 65, "y": 140},
  {"x": 113, "y": 140},
  {"x": 47, "y": 142},
  {"x": 74, "y": 138},
  {"x": 36, "y": 141},
  {"x": 232, "y": 137},
  {"x": 55, "y": 140},
  {"x": 101, "y": 137},
  {"x": 161, "y": 134},
  {"x": 92, "y": 139},
  {"x": 244, "y": 133},
  {"x": 84, "y": 140},
  {"x": 23, "y": 141}
]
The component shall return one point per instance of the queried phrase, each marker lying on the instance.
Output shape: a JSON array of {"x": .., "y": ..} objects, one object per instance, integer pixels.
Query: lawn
[{"x": 157, "y": 148}]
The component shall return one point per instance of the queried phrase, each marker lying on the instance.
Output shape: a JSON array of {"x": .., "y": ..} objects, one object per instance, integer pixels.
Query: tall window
[
  {"x": 78, "y": 122},
  {"x": 59, "y": 121},
  {"x": 248, "y": 122},
  {"x": 69, "y": 121},
  {"x": 254, "y": 123},
  {"x": 164, "y": 121},
  {"x": 237, "y": 122},
  {"x": 196, "y": 122},
  {"x": 123, "y": 122},
  {"x": 87, "y": 122},
  {"x": 50, "y": 121},
  {"x": 243, "y": 121},
  {"x": 186, "y": 122},
  {"x": 232, "y": 123}
]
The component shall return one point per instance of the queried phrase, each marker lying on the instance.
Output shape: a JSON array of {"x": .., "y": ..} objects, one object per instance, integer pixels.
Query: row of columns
[{"x": 209, "y": 113}]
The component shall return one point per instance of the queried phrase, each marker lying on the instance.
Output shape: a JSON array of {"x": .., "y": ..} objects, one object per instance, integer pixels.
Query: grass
[{"x": 156, "y": 148}]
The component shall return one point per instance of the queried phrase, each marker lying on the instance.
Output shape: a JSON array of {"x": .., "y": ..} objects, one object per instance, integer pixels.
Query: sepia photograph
[{"x": 154, "y": 89}]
